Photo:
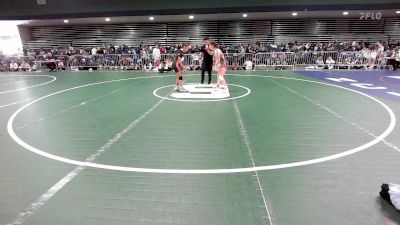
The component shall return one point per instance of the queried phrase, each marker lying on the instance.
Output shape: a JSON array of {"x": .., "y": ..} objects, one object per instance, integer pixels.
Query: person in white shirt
[
  {"x": 320, "y": 63},
  {"x": 34, "y": 67},
  {"x": 330, "y": 62},
  {"x": 248, "y": 65},
  {"x": 94, "y": 51},
  {"x": 391, "y": 193},
  {"x": 156, "y": 53},
  {"x": 13, "y": 66}
]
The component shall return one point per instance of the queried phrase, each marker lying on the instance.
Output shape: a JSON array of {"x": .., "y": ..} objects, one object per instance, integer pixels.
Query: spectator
[
  {"x": 165, "y": 66},
  {"x": 3, "y": 66},
  {"x": 100, "y": 51},
  {"x": 235, "y": 65},
  {"x": 248, "y": 65},
  {"x": 61, "y": 65},
  {"x": 392, "y": 60},
  {"x": 144, "y": 55},
  {"x": 195, "y": 61},
  {"x": 34, "y": 67},
  {"x": 51, "y": 63},
  {"x": 370, "y": 54},
  {"x": 156, "y": 54},
  {"x": 320, "y": 63},
  {"x": 163, "y": 50},
  {"x": 330, "y": 62},
  {"x": 13, "y": 66},
  {"x": 25, "y": 66},
  {"x": 391, "y": 193},
  {"x": 94, "y": 51}
]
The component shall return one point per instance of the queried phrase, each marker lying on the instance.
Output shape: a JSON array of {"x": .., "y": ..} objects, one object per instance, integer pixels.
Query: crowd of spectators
[{"x": 152, "y": 58}]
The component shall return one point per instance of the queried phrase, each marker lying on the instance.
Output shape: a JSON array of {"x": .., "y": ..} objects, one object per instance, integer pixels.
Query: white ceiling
[{"x": 209, "y": 17}]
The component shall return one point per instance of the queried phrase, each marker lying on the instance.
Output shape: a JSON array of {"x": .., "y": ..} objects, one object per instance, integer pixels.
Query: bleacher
[{"x": 278, "y": 31}]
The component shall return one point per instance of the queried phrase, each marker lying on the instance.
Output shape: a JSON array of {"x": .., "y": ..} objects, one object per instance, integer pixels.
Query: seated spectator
[
  {"x": 13, "y": 66},
  {"x": 34, "y": 67},
  {"x": 235, "y": 65},
  {"x": 391, "y": 193},
  {"x": 349, "y": 63},
  {"x": 330, "y": 62},
  {"x": 51, "y": 65},
  {"x": 74, "y": 63},
  {"x": 248, "y": 65},
  {"x": 3, "y": 66},
  {"x": 370, "y": 64},
  {"x": 61, "y": 65},
  {"x": 148, "y": 68},
  {"x": 168, "y": 64},
  {"x": 25, "y": 66},
  {"x": 392, "y": 60},
  {"x": 319, "y": 64},
  {"x": 165, "y": 66},
  {"x": 281, "y": 61}
]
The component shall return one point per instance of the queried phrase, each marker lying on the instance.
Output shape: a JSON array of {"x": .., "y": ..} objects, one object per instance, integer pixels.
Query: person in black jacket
[{"x": 207, "y": 60}]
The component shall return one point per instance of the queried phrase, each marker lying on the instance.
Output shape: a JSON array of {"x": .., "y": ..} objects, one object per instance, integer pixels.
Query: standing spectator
[
  {"x": 156, "y": 54},
  {"x": 145, "y": 56},
  {"x": 163, "y": 50},
  {"x": 242, "y": 51}
]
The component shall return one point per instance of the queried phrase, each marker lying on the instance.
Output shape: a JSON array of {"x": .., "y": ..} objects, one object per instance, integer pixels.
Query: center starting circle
[{"x": 214, "y": 95}]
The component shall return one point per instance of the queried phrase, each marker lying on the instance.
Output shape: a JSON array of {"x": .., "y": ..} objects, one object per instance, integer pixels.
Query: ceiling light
[
  {"x": 66, "y": 21},
  {"x": 151, "y": 18},
  {"x": 345, "y": 13},
  {"x": 244, "y": 15},
  {"x": 191, "y": 17},
  {"x": 397, "y": 12},
  {"x": 294, "y": 13},
  {"x": 108, "y": 19}
]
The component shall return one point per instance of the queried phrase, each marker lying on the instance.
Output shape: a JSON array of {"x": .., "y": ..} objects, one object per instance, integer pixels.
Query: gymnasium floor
[{"x": 287, "y": 149}]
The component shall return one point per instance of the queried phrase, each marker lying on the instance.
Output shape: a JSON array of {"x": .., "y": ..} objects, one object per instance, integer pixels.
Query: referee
[{"x": 207, "y": 60}]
